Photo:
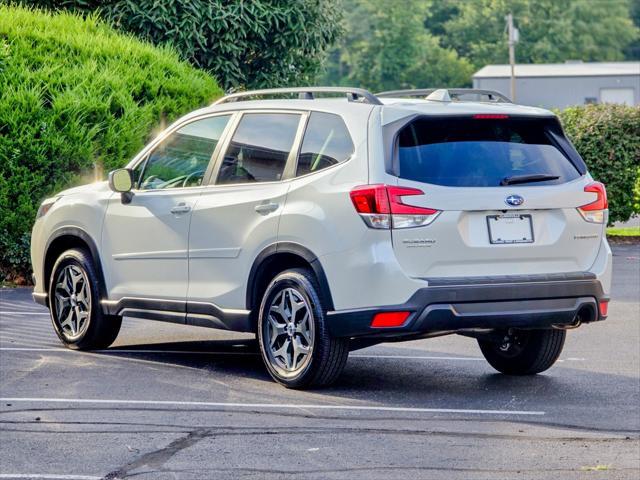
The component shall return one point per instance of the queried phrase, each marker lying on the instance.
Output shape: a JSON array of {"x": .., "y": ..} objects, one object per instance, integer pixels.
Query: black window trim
[
  {"x": 146, "y": 152},
  {"x": 235, "y": 122},
  {"x": 295, "y": 164}
]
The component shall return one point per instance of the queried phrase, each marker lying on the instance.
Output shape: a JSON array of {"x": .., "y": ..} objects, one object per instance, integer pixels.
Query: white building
[{"x": 559, "y": 85}]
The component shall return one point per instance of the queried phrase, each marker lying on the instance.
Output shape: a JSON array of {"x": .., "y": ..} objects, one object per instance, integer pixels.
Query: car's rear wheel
[
  {"x": 524, "y": 352},
  {"x": 294, "y": 340},
  {"x": 74, "y": 303}
]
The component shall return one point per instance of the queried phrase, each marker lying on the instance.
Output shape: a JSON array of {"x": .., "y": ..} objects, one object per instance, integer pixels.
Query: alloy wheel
[
  {"x": 288, "y": 332},
  {"x": 72, "y": 301}
]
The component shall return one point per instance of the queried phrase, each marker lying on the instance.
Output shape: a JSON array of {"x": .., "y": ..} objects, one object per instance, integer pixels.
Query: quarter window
[
  {"x": 259, "y": 149},
  {"x": 182, "y": 158},
  {"x": 326, "y": 142}
]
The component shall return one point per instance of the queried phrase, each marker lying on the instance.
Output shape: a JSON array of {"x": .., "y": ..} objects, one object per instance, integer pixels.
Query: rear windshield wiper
[{"x": 536, "y": 177}]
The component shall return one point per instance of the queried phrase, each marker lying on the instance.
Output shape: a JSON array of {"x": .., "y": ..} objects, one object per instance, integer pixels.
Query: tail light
[
  {"x": 381, "y": 206},
  {"x": 595, "y": 211}
]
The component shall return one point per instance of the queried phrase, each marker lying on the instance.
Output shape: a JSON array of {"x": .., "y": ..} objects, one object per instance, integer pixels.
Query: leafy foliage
[
  {"x": 550, "y": 31},
  {"x": 386, "y": 46},
  {"x": 76, "y": 99},
  {"x": 248, "y": 44},
  {"x": 608, "y": 139}
]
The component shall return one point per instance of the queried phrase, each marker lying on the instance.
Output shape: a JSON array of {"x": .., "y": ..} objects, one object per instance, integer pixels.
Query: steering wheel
[
  {"x": 147, "y": 181},
  {"x": 185, "y": 182}
]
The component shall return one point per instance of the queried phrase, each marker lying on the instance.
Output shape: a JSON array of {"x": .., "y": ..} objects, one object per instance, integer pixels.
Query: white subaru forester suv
[{"x": 327, "y": 224}]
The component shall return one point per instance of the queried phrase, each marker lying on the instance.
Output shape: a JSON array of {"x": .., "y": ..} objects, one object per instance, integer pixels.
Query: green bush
[
  {"x": 608, "y": 139},
  {"x": 248, "y": 44},
  {"x": 76, "y": 99}
]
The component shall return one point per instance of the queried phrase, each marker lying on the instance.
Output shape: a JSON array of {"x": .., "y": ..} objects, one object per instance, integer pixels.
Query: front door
[{"x": 145, "y": 242}]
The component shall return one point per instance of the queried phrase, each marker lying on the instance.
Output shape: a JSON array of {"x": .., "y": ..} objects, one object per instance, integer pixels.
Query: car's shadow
[{"x": 416, "y": 382}]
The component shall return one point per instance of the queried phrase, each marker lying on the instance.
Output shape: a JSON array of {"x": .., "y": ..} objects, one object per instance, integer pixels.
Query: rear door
[
  {"x": 237, "y": 215},
  {"x": 497, "y": 217}
]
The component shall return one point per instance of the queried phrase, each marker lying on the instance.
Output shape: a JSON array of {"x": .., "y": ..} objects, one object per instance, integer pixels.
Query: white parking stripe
[
  {"x": 46, "y": 476},
  {"x": 177, "y": 403},
  {"x": 413, "y": 357},
  {"x": 27, "y": 342},
  {"x": 204, "y": 352},
  {"x": 5, "y": 312}
]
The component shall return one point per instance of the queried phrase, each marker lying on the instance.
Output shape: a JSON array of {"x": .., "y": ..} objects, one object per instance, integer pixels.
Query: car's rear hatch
[{"x": 483, "y": 172}]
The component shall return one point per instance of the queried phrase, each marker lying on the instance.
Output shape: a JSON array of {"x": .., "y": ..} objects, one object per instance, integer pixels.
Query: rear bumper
[{"x": 449, "y": 305}]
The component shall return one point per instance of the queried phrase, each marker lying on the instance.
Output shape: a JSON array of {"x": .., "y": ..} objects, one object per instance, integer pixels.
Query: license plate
[{"x": 510, "y": 228}]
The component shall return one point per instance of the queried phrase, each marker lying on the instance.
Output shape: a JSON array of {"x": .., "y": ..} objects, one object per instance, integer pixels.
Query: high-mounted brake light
[
  {"x": 490, "y": 116},
  {"x": 381, "y": 206},
  {"x": 595, "y": 212}
]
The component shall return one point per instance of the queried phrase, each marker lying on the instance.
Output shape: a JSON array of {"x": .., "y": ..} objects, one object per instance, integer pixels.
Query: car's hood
[{"x": 91, "y": 187}]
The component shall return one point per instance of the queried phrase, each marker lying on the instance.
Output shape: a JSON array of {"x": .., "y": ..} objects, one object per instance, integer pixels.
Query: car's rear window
[{"x": 481, "y": 151}]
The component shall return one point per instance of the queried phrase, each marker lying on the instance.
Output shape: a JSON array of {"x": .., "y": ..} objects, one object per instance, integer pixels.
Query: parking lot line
[
  {"x": 45, "y": 476},
  {"x": 6, "y": 312},
  {"x": 271, "y": 406},
  {"x": 204, "y": 352}
]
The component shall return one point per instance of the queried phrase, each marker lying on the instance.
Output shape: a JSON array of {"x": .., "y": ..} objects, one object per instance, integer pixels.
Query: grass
[{"x": 623, "y": 231}]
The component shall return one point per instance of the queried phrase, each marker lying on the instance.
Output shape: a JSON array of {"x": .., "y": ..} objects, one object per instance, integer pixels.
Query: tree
[
  {"x": 632, "y": 52},
  {"x": 386, "y": 46},
  {"x": 244, "y": 44},
  {"x": 550, "y": 30}
]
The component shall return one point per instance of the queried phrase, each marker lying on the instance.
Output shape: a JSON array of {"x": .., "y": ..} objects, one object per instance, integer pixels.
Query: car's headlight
[{"x": 45, "y": 206}]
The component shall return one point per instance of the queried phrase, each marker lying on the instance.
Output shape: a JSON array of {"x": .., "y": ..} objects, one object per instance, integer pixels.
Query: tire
[
  {"x": 74, "y": 303},
  {"x": 524, "y": 352},
  {"x": 295, "y": 343}
]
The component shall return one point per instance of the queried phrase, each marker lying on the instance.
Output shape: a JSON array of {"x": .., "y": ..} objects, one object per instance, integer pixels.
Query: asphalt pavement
[{"x": 169, "y": 401}]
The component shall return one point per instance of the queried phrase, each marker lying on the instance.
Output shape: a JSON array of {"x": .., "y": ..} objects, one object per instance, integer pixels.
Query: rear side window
[
  {"x": 259, "y": 148},
  {"x": 482, "y": 151},
  {"x": 326, "y": 142}
]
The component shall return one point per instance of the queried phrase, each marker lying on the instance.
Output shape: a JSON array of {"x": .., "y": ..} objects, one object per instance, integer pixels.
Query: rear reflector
[
  {"x": 490, "y": 116},
  {"x": 604, "y": 308},
  {"x": 389, "y": 319},
  {"x": 594, "y": 212},
  {"x": 381, "y": 206}
]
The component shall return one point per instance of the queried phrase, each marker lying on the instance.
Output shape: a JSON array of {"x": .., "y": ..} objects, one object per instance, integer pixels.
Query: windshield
[{"x": 482, "y": 151}]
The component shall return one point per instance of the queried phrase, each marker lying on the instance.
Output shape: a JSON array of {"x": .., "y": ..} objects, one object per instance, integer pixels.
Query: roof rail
[
  {"x": 445, "y": 94},
  {"x": 305, "y": 93}
]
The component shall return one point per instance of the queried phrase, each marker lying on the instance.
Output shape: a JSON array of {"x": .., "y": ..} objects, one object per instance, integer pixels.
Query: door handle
[
  {"x": 266, "y": 208},
  {"x": 181, "y": 208}
]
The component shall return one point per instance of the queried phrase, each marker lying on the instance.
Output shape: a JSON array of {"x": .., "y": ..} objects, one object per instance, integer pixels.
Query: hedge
[
  {"x": 608, "y": 139},
  {"x": 76, "y": 98}
]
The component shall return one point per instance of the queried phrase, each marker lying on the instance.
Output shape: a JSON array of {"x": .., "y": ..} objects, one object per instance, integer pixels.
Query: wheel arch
[
  {"x": 278, "y": 257},
  {"x": 64, "y": 239}
]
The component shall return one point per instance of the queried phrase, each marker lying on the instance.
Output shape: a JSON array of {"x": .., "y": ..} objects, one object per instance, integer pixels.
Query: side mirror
[{"x": 121, "y": 180}]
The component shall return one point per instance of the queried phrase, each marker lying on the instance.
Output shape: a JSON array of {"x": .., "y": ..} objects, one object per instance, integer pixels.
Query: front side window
[
  {"x": 326, "y": 142},
  {"x": 259, "y": 148},
  {"x": 182, "y": 158},
  {"x": 482, "y": 151}
]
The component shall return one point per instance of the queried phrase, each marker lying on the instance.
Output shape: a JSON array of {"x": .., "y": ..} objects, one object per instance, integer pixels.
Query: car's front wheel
[
  {"x": 524, "y": 352},
  {"x": 295, "y": 343},
  {"x": 74, "y": 303}
]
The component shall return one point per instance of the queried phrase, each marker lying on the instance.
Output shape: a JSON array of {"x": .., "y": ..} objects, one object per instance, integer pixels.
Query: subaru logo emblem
[{"x": 514, "y": 200}]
